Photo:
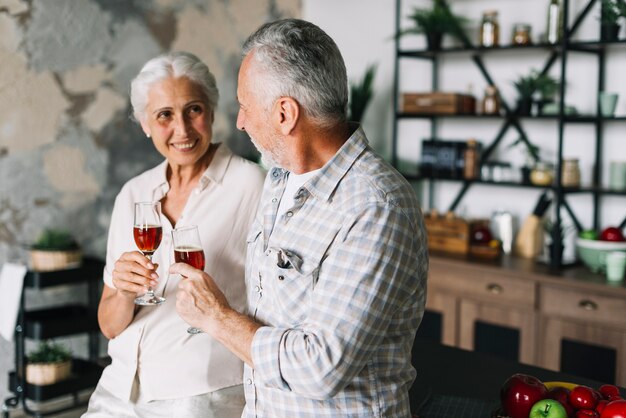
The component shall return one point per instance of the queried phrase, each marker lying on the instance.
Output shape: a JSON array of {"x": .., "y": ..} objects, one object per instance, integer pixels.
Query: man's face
[{"x": 254, "y": 118}]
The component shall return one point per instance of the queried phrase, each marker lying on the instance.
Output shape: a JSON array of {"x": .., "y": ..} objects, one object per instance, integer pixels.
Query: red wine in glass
[
  {"x": 188, "y": 249},
  {"x": 190, "y": 255},
  {"x": 148, "y": 238},
  {"x": 147, "y": 232}
]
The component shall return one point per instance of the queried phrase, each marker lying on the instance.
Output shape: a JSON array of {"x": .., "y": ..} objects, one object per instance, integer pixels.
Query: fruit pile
[
  {"x": 525, "y": 396},
  {"x": 611, "y": 233}
]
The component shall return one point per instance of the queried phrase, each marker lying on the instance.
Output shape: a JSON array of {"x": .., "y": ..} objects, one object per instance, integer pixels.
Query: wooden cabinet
[{"x": 571, "y": 321}]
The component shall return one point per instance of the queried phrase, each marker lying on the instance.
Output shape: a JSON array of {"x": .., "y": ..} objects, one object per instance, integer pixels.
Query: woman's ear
[
  {"x": 287, "y": 114},
  {"x": 145, "y": 127}
]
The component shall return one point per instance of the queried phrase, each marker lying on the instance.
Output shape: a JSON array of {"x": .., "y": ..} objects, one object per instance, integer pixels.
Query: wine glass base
[
  {"x": 149, "y": 301},
  {"x": 194, "y": 331}
]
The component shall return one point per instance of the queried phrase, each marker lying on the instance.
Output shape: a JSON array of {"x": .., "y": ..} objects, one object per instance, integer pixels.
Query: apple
[
  {"x": 615, "y": 409},
  {"x": 586, "y": 413},
  {"x": 547, "y": 408},
  {"x": 481, "y": 234},
  {"x": 561, "y": 394},
  {"x": 608, "y": 391},
  {"x": 583, "y": 397},
  {"x": 519, "y": 393},
  {"x": 612, "y": 234},
  {"x": 601, "y": 405},
  {"x": 588, "y": 234}
]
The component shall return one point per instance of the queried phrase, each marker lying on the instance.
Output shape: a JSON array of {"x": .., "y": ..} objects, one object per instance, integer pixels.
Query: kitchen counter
[{"x": 469, "y": 380}]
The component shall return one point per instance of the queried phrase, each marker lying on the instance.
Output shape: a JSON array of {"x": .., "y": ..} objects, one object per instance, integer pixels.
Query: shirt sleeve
[
  {"x": 370, "y": 277},
  {"x": 120, "y": 218}
]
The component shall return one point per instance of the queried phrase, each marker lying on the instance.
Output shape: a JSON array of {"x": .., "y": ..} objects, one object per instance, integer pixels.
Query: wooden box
[
  {"x": 447, "y": 233},
  {"x": 438, "y": 103}
]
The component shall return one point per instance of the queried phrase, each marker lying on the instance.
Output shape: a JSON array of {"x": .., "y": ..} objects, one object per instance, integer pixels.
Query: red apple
[
  {"x": 608, "y": 390},
  {"x": 519, "y": 393},
  {"x": 615, "y": 409},
  {"x": 561, "y": 394},
  {"x": 583, "y": 397},
  {"x": 612, "y": 234},
  {"x": 481, "y": 235},
  {"x": 601, "y": 405},
  {"x": 587, "y": 413}
]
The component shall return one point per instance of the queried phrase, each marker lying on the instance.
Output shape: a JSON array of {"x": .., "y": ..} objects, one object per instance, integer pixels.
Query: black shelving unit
[
  {"x": 510, "y": 120},
  {"x": 53, "y": 322}
]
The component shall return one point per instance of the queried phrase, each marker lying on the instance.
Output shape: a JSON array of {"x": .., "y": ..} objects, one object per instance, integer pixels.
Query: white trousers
[{"x": 223, "y": 403}]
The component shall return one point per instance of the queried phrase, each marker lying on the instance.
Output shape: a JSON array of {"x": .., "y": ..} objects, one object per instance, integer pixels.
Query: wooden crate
[
  {"x": 439, "y": 103},
  {"x": 447, "y": 233}
]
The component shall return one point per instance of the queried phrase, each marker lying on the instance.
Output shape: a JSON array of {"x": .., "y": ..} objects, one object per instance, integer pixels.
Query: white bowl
[{"x": 593, "y": 252}]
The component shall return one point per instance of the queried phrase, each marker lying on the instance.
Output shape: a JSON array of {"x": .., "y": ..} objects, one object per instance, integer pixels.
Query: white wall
[{"x": 363, "y": 30}]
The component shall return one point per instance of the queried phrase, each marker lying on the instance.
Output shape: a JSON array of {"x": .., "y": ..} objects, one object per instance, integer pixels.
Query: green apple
[
  {"x": 547, "y": 408},
  {"x": 588, "y": 234}
]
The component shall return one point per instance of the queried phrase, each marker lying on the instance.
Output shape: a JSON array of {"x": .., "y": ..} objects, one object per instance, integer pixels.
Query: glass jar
[
  {"x": 521, "y": 34},
  {"x": 570, "y": 173},
  {"x": 471, "y": 170},
  {"x": 542, "y": 174},
  {"x": 554, "y": 30},
  {"x": 489, "y": 29},
  {"x": 491, "y": 101}
]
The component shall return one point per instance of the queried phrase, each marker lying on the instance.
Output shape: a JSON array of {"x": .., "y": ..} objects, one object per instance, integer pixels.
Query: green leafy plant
[
  {"x": 547, "y": 86},
  {"x": 438, "y": 20},
  {"x": 526, "y": 86},
  {"x": 361, "y": 93},
  {"x": 49, "y": 352},
  {"x": 532, "y": 150},
  {"x": 611, "y": 11},
  {"x": 55, "y": 240}
]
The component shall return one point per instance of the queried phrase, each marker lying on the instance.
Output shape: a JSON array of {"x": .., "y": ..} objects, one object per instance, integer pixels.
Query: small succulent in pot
[
  {"x": 48, "y": 363},
  {"x": 55, "y": 249},
  {"x": 49, "y": 352},
  {"x": 55, "y": 240}
]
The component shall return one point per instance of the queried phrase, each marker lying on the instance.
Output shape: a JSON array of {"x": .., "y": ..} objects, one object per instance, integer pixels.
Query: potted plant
[
  {"x": 55, "y": 249},
  {"x": 551, "y": 230},
  {"x": 49, "y": 363},
  {"x": 436, "y": 22},
  {"x": 525, "y": 86},
  {"x": 610, "y": 12},
  {"x": 361, "y": 93}
]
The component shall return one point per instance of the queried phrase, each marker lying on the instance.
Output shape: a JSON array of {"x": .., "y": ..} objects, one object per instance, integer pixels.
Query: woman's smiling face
[{"x": 179, "y": 120}]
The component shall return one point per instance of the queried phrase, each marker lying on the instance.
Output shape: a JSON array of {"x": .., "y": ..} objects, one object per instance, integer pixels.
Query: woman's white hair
[
  {"x": 174, "y": 64},
  {"x": 301, "y": 61}
]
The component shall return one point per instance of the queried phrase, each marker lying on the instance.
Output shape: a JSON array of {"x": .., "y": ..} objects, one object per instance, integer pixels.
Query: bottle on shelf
[
  {"x": 471, "y": 169},
  {"x": 490, "y": 29},
  {"x": 491, "y": 101},
  {"x": 554, "y": 29},
  {"x": 570, "y": 172}
]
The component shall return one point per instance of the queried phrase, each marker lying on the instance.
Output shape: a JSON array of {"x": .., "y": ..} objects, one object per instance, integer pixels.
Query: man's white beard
[{"x": 269, "y": 158}]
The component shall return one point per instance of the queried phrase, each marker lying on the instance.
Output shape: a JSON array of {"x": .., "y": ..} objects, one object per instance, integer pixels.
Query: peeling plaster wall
[{"x": 67, "y": 143}]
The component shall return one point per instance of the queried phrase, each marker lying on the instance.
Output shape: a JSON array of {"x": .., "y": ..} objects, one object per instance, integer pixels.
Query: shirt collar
[
  {"x": 215, "y": 172},
  {"x": 325, "y": 182}
]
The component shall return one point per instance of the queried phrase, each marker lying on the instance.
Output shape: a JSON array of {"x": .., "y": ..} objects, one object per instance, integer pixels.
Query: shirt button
[
  {"x": 249, "y": 381},
  {"x": 274, "y": 200},
  {"x": 289, "y": 214},
  {"x": 257, "y": 289},
  {"x": 281, "y": 277},
  {"x": 275, "y": 173}
]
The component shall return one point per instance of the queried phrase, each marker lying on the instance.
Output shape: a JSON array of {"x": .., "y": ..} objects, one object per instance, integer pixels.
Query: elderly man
[{"x": 337, "y": 259}]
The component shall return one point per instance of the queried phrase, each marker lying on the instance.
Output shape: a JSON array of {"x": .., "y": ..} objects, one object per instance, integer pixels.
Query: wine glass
[
  {"x": 188, "y": 249},
  {"x": 148, "y": 232}
]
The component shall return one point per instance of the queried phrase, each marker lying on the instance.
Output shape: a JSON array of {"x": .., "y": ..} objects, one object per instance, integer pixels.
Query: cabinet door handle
[
  {"x": 494, "y": 288},
  {"x": 588, "y": 305}
]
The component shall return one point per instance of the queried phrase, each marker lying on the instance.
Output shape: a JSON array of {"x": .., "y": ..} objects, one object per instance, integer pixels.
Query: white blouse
[{"x": 169, "y": 362}]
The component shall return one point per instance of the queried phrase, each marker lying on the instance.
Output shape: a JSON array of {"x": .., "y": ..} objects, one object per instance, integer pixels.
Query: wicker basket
[
  {"x": 54, "y": 260},
  {"x": 47, "y": 373}
]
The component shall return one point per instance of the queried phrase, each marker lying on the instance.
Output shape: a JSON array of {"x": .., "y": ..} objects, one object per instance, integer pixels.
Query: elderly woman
[{"x": 157, "y": 368}]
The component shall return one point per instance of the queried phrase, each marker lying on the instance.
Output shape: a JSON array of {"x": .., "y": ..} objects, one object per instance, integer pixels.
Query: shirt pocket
[
  {"x": 291, "y": 285},
  {"x": 253, "y": 239}
]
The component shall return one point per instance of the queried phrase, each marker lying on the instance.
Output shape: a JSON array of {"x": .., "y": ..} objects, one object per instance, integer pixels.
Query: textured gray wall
[{"x": 66, "y": 141}]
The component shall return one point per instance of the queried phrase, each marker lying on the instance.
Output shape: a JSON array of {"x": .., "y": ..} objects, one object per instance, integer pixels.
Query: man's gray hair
[
  {"x": 176, "y": 65},
  {"x": 301, "y": 61}
]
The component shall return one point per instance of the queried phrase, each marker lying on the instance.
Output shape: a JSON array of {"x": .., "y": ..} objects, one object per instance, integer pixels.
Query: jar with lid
[
  {"x": 490, "y": 29},
  {"x": 542, "y": 174},
  {"x": 521, "y": 34},
  {"x": 570, "y": 172},
  {"x": 491, "y": 101}
]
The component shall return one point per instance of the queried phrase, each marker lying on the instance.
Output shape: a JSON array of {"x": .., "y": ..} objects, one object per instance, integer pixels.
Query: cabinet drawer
[
  {"x": 581, "y": 305},
  {"x": 487, "y": 286}
]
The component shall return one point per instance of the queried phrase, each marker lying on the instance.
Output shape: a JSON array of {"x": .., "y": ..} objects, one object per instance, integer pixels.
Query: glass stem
[{"x": 149, "y": 291}]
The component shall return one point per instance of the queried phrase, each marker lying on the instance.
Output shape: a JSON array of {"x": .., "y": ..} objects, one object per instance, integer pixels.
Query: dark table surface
[{"x": 458, "y": 383}]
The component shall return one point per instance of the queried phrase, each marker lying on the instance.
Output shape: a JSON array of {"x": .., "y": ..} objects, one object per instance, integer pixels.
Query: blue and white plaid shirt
[{"x": 340, "y": 282}]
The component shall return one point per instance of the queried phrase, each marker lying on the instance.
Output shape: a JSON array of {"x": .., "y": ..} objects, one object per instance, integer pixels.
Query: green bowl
[{"x": 593, "y": 252}]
